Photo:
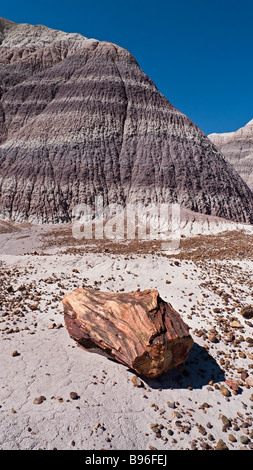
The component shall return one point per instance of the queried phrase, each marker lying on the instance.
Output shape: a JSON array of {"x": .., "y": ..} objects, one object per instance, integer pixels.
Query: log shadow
[{"x": 197, "y": 371}]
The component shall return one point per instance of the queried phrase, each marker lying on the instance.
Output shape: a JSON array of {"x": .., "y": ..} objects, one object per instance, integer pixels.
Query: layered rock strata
[
  {"x": 137, "y": 329},
  {"x": 79, "y": 118}
]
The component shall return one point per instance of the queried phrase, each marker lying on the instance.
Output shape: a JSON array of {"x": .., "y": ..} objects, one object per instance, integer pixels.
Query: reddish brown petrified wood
[{"x": 138, "y": 329}]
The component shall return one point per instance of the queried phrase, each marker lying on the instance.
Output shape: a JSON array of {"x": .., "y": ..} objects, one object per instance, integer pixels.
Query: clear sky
[{"x": 199, "y": 53}]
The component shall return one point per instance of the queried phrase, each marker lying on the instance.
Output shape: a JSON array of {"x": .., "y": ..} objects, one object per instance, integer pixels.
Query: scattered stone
[
  {"x": 155, "y": 428},
  {"x": 232, "y": 385},
  {"x": 244, "y": 440},
  {"x": 216, "y": 310},
  {"x": 15, "y": 353},
  {"x": 249, "y": 340},
  {"x": 232, "y": 438},
  {"x": 236, "y": 324},
  {"x": 74, "y": 396},
  {"x": 224, "y": 390},
  {"x": 202, "y": 429},
  {"x": 221, "y": 445},
  {"x": 242, "y": 354},
  {"x": 212, "y": 337},
  {"x": 146, "y": 353},
  {"x": 34, "y": 306},
  {"x": 227, "y": 422},
  {"x": 249, "y": 381},
  {"x": 137, "y": 381},
  {"x": 247, "y": 312},
  {"x": 171, "y": 404},
  {"x": 244, "y": 375}
]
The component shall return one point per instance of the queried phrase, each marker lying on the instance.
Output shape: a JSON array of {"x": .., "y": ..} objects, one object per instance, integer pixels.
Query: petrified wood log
[{"x": 138, "y": 329}]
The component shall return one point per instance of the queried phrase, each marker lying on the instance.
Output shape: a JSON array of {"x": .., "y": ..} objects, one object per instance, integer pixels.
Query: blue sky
[{"x": 199, "y": 53}]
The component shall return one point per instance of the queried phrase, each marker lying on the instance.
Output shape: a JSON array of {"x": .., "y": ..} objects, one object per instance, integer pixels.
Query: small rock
[
  {"x": 137, "y": 381},
  {"x": 232, "y": 438},
  {"x": 171, "y": 404},
  {"x": 244, "y": 375},
  {"x": 225, "y": 420},
  {"x": 202, "y": 429},
  {"x": 244, "y": 439},
  {"x": 221, "y": 445},
  {"x": 247, "y": 312},
  {"x": 33, "y": 306},
  {"x": 224, "y": 390},
  {"x": 15, "y": 353},
  {"x": 249, "y": 340},
  {"x": 212, "y": 337},
  {"x": 39, "y": 400},
  {"x": 216, "y": 310},
  {"x": 242, "y": 354},
  {"x": 236, "y": 324},
  {"x": 249, "y": 381},
  {"x": 74, "y": 396},
  {"x": 232, "y": 385}
]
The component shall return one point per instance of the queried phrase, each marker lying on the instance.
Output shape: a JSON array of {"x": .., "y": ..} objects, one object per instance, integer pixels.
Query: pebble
[
  {"x": 249, "y": 340},
  {"x": 232, "y": 385},
  {"x": 225, "y": 420},
  {"x": 171, "y": 404},
  {"x": 244, "y": 439},
  {"x": 212, "y": 337},
  {"x": 154, "y": 428},
  {"x": 202, "y": 430},
  {"x": 137, "y": 381},
  {"x": 224, "y": 390},
  {"x": 247, "y": 312},
  {"x": 249, "y": 381},
  {"x": 15, "y": 353},
  {"x": 221, "y": 445}
]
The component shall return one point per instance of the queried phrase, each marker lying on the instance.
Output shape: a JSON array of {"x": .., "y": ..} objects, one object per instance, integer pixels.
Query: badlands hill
[
  {"x": 79, "y": 118},
  {"x": 237, "y": 147}
]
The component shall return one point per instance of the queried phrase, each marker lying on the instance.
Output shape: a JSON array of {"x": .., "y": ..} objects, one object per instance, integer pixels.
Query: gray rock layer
[
  {"x": 237, "y": 147},
  {"x": 79, "y": 118}
]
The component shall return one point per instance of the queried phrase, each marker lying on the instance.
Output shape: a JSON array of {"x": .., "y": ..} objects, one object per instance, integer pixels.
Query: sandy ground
[{"x": 209, "y": 280}]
